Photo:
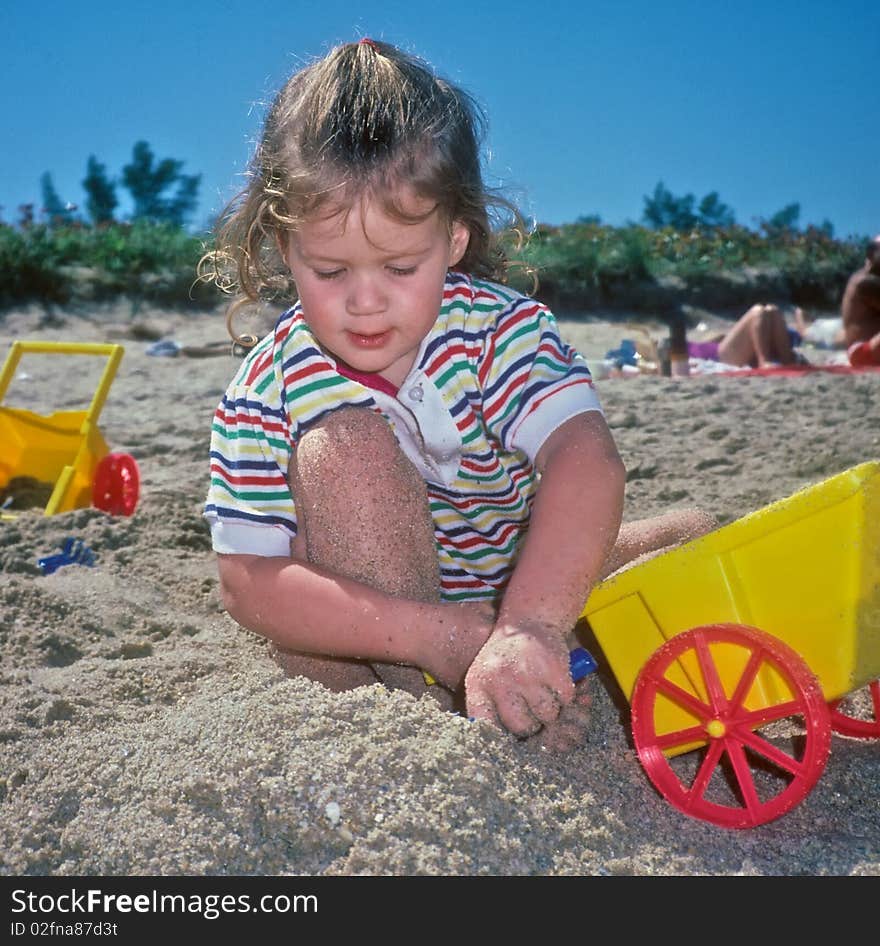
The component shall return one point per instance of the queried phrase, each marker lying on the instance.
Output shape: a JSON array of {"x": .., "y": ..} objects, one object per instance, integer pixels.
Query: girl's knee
[
  {"x": 695, "y": 522},
  {"x": 349, "y": 436},
  {"x": 353, "y": 448},
  {"x": 355, "y": 453}
]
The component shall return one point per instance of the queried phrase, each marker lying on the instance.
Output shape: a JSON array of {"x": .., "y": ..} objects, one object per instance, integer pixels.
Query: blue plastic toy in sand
[
  {"x": 581, "y": 663},
  {"x": 73, "y": 552},
  {"x": 626, "y": 354}
]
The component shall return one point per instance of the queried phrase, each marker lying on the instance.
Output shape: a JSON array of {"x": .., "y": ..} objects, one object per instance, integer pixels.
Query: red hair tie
[{"x": 368, "y": 42}]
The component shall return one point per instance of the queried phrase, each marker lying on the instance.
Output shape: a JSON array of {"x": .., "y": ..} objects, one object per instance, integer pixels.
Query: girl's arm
[
  {"x": 520, "y": 678},
  {"x": 310, "y": 609}
]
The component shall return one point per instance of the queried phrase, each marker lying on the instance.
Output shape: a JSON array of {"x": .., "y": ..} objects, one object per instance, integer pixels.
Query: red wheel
[
  {"x": 710, "y": 761},
  {"x": 116, "y": 484},
  {"x": 858, "y": 713}
]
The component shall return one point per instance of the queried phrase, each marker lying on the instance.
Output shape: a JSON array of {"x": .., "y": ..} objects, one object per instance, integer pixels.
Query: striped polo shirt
[{"x": 491, "y": 381}]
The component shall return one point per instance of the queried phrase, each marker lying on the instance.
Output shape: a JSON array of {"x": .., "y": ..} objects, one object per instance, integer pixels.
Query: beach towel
[
  {"x": 790, "y": 371},
  {"x": 837, "y": 362}
]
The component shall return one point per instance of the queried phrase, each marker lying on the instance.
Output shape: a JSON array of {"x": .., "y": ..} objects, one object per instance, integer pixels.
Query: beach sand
[{"x": 142, "y": 732}]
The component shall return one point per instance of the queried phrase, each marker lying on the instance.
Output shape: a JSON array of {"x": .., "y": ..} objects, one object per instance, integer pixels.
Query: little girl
[{"x": 412, "y": 472}]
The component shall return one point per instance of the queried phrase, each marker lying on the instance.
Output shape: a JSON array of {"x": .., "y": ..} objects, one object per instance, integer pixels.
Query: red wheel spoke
[
  {"x": 747, "y": 678},
  {"x": 684, "y": 699},
  {"x": 751, "y": 719},
  {"x": 743, "y": 772},
  {"x": 706, "y": 770},
  {"x": 760, "y": 745},
  {"x": 717, "y": 696},
  {"x": 681, "y": 737}
]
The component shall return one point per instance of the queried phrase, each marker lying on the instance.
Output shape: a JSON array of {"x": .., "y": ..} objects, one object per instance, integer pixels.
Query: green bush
[
  {"x": 29, "y": 267},
  {"x": 582, "y": 265},
  {"x": 585, "y": 264},
  {"x": 155, "y": 261}
]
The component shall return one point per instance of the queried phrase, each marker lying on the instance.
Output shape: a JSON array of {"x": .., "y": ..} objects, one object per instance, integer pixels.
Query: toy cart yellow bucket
[
  {"x": 741, "y": 647},
  {"x": 64, "y": 450}
]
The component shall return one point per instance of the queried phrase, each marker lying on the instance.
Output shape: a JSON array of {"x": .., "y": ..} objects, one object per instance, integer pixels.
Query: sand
[{"x": 142, "y": 732}]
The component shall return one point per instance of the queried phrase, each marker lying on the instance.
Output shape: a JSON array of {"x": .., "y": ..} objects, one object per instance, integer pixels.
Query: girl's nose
[{"x": 365, "y": 296}]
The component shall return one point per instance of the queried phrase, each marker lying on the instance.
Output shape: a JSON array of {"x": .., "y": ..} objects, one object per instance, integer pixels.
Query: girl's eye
[
  {"x": 402, "y": 270},
  {"x": 332, "y": 274}
]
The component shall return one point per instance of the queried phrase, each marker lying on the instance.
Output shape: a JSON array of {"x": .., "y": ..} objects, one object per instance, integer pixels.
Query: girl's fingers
[
  {"x": 528, "y": 713},
  {"x": 545, "y": 706},
  {"x": 516, "y": 717}
]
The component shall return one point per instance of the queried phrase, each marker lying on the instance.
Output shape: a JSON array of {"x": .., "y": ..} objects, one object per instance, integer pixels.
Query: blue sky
[{"x": 590, "y": 104}]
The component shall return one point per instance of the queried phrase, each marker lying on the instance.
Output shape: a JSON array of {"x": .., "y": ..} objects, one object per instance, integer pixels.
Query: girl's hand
[{"x": 520, "y": 680}]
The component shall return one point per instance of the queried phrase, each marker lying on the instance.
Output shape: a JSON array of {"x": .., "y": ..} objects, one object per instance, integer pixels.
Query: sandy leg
[
  {"x": 363, "y": 513},
  {"x": 649, "y": 537}
]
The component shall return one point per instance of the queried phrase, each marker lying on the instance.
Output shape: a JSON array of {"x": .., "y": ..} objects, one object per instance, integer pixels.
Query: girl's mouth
[{"x": 376, "y": 340}]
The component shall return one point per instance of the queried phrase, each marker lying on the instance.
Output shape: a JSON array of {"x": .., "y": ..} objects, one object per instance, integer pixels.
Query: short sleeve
[
  {"x": 532, "y": 380},
  {"x": 250, "y": 507}
]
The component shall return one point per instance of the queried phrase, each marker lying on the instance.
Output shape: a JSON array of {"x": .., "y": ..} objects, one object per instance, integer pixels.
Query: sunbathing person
[
  {"x": 860, "y": 309},
  {"x": 761, "y": 338}
]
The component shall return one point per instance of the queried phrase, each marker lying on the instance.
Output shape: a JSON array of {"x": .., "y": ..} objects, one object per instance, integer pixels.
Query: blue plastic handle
[
  {"x": 74, "y": 552},
  {"x": 581, "y": 663}
]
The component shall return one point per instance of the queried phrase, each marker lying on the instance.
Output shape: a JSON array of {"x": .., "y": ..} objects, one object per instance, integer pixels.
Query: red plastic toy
[{"x": 116, "y": 486}]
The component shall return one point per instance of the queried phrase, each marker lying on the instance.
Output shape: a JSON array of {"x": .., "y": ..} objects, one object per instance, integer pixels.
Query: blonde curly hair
[{"x": 365, "y": 118}]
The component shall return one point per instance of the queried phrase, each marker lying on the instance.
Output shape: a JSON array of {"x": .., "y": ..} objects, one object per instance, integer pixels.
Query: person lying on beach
[
  {"x": 860, "y": 309},
  {"x": 761, "y": 338},
  {"x": 412, "y": 472}
]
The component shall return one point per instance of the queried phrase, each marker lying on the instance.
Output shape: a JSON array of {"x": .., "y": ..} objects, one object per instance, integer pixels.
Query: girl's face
[{"x": 371, "y": 285}]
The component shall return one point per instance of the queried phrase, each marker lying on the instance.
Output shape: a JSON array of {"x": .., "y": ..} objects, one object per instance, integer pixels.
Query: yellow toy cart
[
  {"x": 65, "y": 450},
  {"x": 741, "y": 651}
]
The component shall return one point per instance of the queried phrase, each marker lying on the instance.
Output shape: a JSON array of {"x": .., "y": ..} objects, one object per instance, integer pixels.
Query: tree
[
  {"x": 662, "y": 209},
  {"x": 714, "y": 213},
  {"x": 785, "y": 219},
  {"x": 101, "y": 193},
  {"x": 148, "y": 183},
  {"x": 56, "y": 211}
]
